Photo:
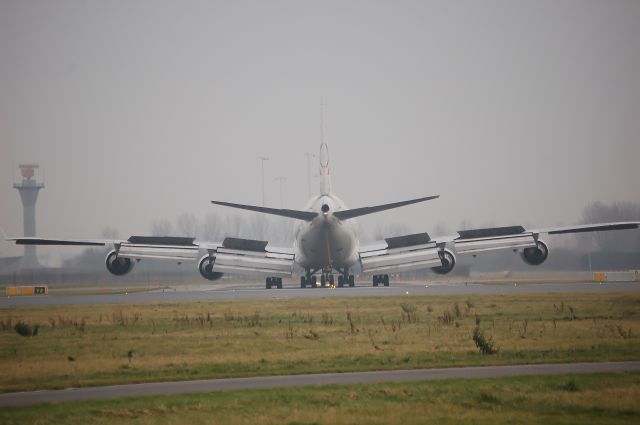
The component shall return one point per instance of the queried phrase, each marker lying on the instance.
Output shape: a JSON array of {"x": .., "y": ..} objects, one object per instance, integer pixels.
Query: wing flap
[
  {"x": 400, "y": 259},
  {"x": 474, "y": 246},
  {"x": 165, "y": 252},
  {"x": 253, "y": 262}
]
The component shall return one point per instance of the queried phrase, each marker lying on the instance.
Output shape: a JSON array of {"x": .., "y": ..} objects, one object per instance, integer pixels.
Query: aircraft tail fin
[{"x": 325, "y": 175}]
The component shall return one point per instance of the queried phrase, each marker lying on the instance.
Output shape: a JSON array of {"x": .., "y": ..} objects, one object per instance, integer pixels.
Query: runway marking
[{"x": 229, "y": 384}]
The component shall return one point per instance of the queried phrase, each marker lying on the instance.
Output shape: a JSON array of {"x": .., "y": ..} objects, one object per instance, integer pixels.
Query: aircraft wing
[
  {"x": 240, "y": 256},
  {"x": 69, "y": 242},
  {"x": 420, "y": 251}
]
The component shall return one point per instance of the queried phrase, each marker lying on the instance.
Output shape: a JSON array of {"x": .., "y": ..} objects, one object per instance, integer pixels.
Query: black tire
[
  {"x": 385, "y": 280},
  {"x": 303, "y": 282},
  {"x": 351, "y": 281}
]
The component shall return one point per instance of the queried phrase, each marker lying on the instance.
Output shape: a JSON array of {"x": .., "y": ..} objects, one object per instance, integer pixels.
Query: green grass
[
  {"x": 574, "y": 399},
  {"x": 84, "y": 345}
]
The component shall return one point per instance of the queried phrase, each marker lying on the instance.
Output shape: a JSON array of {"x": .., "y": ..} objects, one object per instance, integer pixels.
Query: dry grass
[
  {"x": 599, "y": 398},
  {"x": 90, "y": 345}
]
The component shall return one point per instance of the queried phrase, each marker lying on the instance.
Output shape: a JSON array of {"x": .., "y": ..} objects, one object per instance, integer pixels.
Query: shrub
[
  {"x": 410, "y": 311},
  {"x": 446, "y": 318},
  {"x": 456, "y": 310},
  {"x": 485, "y": 345},
  {"x": 570, "y": 386},
  {"x": 26, "y": 330}
]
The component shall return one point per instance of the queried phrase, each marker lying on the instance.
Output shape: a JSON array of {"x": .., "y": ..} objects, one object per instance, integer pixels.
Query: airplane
[{"x": 326, "y": 242}]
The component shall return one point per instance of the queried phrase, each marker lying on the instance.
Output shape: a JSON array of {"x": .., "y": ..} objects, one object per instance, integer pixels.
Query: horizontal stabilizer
[
  {"x": 296, "y": 214},
  {"x": 357, "y": 212},
  {"x": 245, "y": 244},
  {"x": 491, "y": 232},
  {"x": 408, "y": 240}
]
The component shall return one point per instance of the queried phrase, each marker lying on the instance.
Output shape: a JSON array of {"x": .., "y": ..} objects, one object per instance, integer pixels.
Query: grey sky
[{"x": 514, "y": 112}]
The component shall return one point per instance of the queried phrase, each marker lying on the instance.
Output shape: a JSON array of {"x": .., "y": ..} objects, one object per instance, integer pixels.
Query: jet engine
[
  {"x": 205, "y": 266},
  {"x": 448, "y": 260},
  {"x": 535, "y": 255},
  {"x": 118, "y": 265}
]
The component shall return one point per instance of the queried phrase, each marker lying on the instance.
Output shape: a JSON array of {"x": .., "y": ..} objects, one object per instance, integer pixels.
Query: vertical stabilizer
[{"x": 325, "y": 176}]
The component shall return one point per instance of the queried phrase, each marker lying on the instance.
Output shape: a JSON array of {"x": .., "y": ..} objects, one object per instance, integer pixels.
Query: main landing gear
[
  {"x": 381, "y": 279},
  {"x": 274, "y": 282},
  {"x": 327, "y": 279}
]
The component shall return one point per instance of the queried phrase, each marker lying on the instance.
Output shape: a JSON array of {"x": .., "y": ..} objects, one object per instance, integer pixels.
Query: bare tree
[
  {"x": 161, "y": 227},
  {"x": 234, "y": 226},
  {"x": 598, "y": 212},
  {"x": 259, "y": 227},
  {"x": 211, "y": 227},
  {"x": 109, "y": 232},
  {"x": 441, "y": 229},
  {"x": 187, "y": 225}
]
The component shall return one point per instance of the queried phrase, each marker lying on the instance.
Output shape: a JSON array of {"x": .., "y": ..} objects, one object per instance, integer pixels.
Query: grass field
[
  {"x": 84, "y": 345},
  {"x": 598, "y": 399}
]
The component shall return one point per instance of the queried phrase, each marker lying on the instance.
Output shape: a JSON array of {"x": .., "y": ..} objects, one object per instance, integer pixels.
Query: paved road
[
  {"x": 227, "y": 292},
  {"x": 210, "y": 385}
]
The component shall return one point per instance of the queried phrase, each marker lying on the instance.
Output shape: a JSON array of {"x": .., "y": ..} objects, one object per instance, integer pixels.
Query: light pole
[
  {"x": 263, "y": 159},
  {"x": 309, "y": 156},
  {"x": 281, "y": 179}
]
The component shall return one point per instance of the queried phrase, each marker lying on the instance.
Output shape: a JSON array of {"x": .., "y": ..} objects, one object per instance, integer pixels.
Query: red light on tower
[{"x": 27, "y": 170}]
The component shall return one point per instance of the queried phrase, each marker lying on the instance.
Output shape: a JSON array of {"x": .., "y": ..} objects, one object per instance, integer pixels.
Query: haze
[{"x": 514, "y": 112}]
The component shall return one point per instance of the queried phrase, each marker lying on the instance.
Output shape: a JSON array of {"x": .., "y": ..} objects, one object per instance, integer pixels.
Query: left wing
[
  {"x": 419, "y": 251},
  {"x": 242, "y": 256}
]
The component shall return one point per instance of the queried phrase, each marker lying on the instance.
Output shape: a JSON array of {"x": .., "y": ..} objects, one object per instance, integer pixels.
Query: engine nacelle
[
  {"x": 448, "y": 260},
  {"x": 205, "y": 266},
  {"x": 535, "y": 255},
  {"x": 118, "y": 265}
]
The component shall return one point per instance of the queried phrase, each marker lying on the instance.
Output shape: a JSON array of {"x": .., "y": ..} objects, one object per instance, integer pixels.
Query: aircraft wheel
[
  {"x": 351, "y": 280},
  {"x": 385, "y": 280},
  {"x": 340, "y": 281},
  {"x": 268, "y": 283},
  {"x": 303, "y": 281},
  {"x": 314, "y": 281}
]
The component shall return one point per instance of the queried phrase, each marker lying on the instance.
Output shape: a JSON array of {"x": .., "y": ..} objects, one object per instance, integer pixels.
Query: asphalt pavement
[{"x": 228, "y": 292}]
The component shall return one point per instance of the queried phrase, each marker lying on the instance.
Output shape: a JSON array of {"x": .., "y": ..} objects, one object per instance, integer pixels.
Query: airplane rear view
[{"x": 326, "y": 245}]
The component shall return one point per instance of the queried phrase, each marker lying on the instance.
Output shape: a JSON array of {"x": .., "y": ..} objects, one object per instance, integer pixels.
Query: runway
[
  {"x": 236, "y": 291},
  {"x": 211, "y": 385}
]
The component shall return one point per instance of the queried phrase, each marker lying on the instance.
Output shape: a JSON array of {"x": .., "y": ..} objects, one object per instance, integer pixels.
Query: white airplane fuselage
[{"x": 326, "y": 242}]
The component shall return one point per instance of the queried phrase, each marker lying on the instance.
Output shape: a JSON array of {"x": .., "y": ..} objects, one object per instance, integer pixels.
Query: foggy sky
[{"x": 514, "y": 112}]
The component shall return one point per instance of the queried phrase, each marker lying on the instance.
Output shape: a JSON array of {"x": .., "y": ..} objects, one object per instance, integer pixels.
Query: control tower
[{"x": 29, "y": 188}]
